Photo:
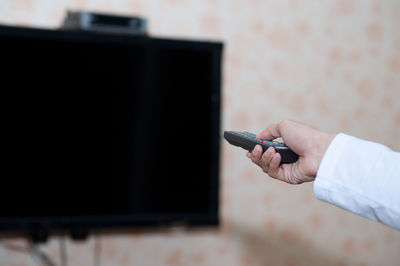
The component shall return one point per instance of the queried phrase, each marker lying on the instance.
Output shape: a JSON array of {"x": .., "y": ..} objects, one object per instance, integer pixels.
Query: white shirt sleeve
[{"x": 362, "y": 177}]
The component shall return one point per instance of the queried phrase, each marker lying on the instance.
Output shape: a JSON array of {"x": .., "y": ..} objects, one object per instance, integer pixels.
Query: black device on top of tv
[{"x": 89, "y": 123}]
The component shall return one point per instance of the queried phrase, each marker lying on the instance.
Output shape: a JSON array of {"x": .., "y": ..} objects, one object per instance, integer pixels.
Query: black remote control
[{"x": 248, "y": 141}]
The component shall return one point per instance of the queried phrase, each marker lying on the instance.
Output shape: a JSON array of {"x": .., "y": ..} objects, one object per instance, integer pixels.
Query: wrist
[{"x": 324, "y": 139}]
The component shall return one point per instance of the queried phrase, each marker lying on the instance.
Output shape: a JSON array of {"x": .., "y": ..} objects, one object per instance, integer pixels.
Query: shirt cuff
[{"x": 325, "y": 180}]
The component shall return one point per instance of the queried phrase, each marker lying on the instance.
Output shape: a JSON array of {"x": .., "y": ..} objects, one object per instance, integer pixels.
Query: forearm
[{"x": 362, "y": 177}]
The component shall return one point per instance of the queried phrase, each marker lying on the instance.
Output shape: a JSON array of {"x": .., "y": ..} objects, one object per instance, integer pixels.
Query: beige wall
[{"x": 333, "y": 64}]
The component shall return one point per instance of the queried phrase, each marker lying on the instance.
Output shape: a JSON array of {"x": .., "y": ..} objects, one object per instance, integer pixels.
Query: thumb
[{"x": 270, "y": 133}]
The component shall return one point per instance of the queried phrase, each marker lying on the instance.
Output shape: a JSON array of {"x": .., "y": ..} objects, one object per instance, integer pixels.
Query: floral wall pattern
[{"x": 334, "y": 64}]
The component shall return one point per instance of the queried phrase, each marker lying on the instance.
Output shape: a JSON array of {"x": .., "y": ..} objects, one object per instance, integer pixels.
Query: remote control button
[
  {"x": 281, "y": 144},
  {"x": 267, "y": 142}
]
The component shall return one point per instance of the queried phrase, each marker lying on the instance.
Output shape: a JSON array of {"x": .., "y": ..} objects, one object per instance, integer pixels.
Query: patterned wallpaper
[{"x": 334, "y": 64}]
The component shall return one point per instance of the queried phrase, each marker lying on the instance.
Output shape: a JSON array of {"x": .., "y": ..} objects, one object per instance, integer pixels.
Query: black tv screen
[{"x": 107, "y": 130}]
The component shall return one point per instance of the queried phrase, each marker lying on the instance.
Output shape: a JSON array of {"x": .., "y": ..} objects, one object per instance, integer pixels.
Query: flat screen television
[{"x": 103, "y": 130}]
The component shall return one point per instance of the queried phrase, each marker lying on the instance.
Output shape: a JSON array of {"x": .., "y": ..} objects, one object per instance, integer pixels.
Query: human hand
[{"x": 308, "y": 142}]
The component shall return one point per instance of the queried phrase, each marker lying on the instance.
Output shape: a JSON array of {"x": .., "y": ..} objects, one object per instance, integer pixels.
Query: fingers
[
  {"x": 266, "y": 158},
  {"x": 269, "y": 161},
  {"x": 274, "y": 169},
  {"x": 255, "y": 155}
]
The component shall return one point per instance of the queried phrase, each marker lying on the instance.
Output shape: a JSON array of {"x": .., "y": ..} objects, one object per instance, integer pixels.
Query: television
[{"x": 108, "y": 130}]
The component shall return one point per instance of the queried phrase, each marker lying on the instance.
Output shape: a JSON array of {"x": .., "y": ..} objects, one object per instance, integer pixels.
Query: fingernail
[
  {"x": 255, "y": 152},
  {"x": 248, "y": 154},
  {"x": 268, "y": 153}
]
